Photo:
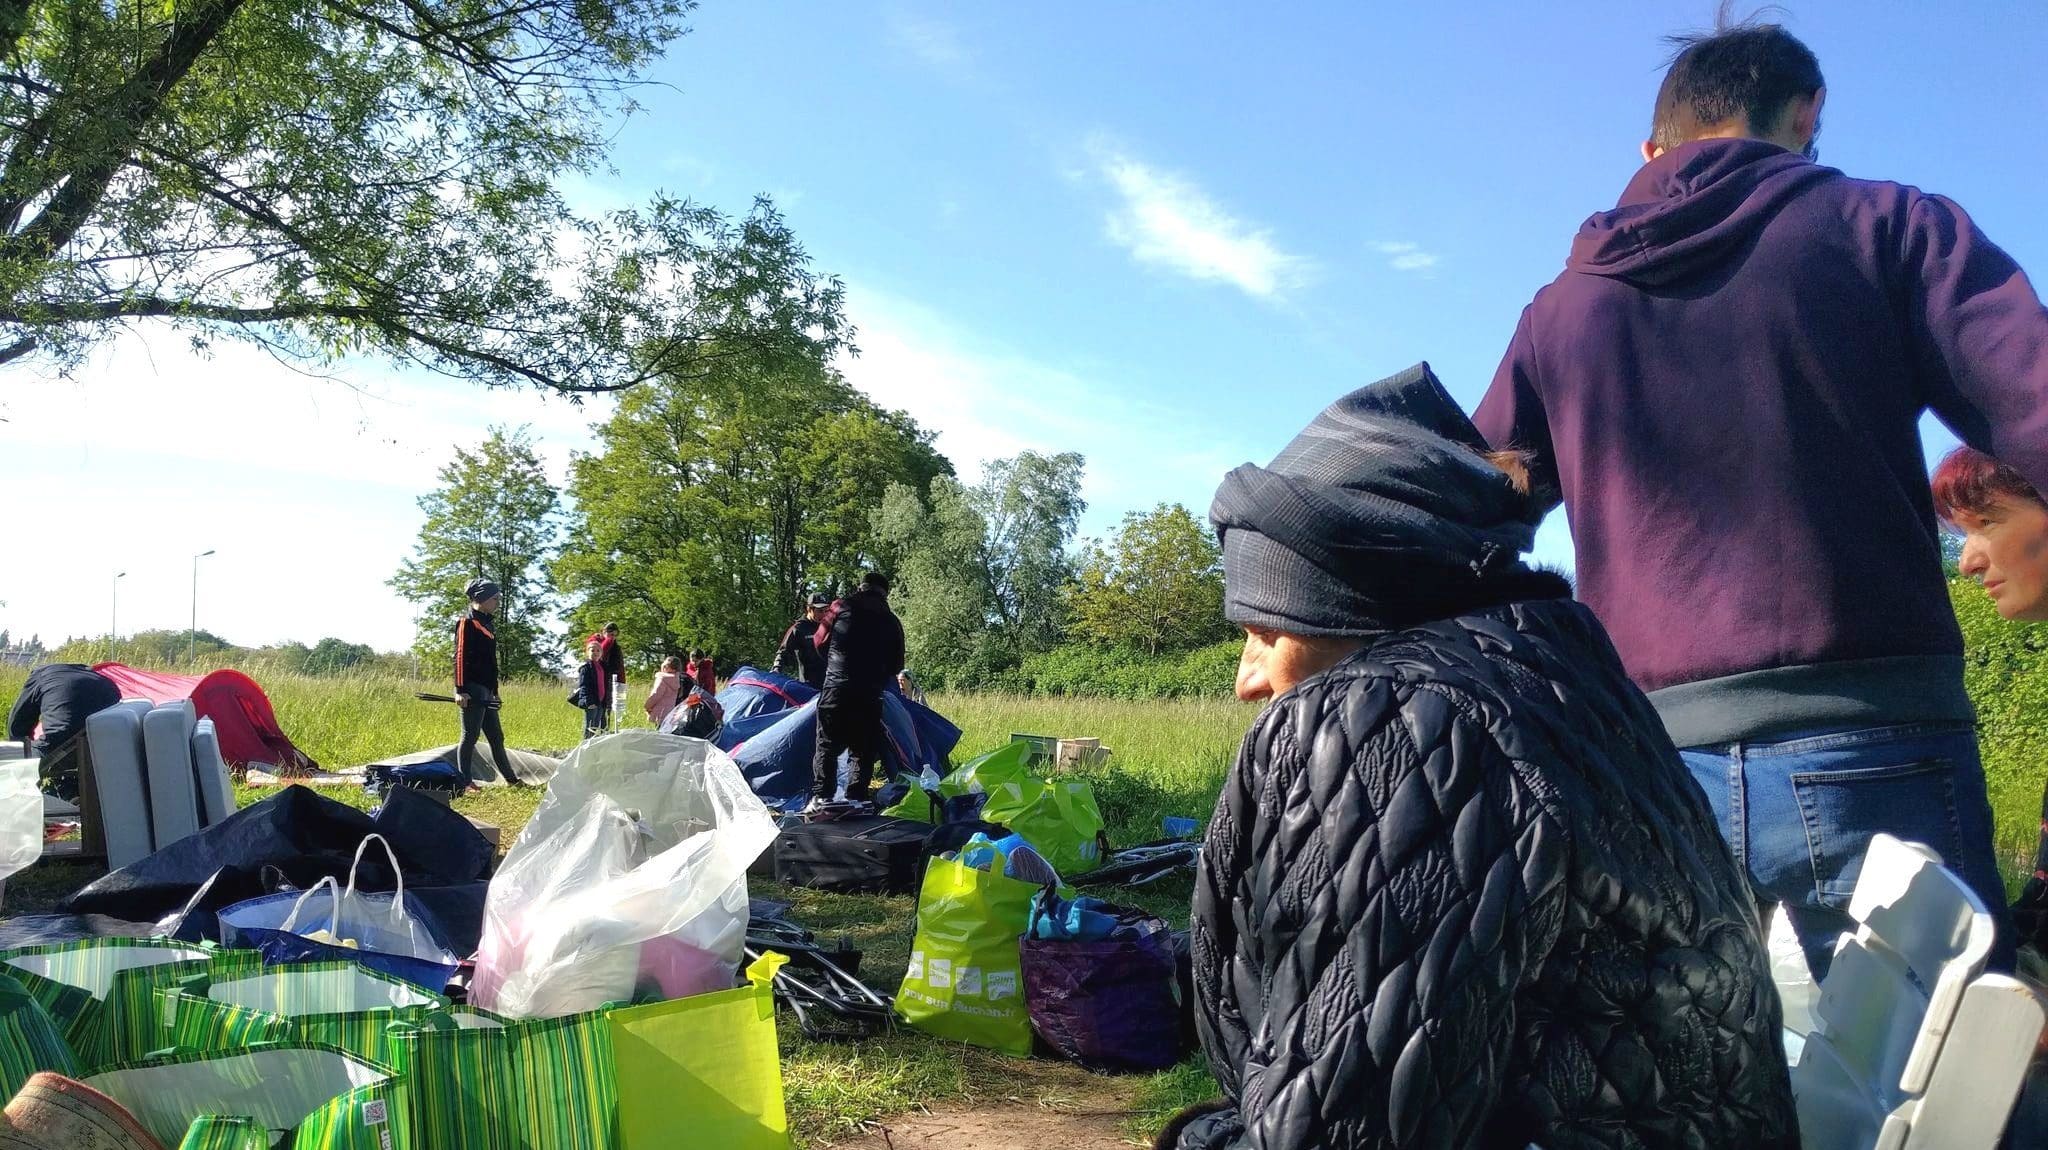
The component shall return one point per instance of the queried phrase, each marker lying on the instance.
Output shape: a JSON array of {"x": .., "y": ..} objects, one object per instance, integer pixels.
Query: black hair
[
  {"x": 875, "y": 581},
  {"x": 1749, "y": 69},
  {"x": 695, "y": 654}
]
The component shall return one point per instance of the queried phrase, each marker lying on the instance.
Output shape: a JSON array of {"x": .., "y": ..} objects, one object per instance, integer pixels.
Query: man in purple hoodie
[{"x": 1724, "y": 389}]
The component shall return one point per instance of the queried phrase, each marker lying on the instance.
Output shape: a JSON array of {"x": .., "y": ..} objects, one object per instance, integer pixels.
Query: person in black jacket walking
[
  {"x": 801, "y": 654},
  {"x": 1459, "y": 890},
  {"x": 476, "y": 679},
  {"x": 864, "y": 650}
]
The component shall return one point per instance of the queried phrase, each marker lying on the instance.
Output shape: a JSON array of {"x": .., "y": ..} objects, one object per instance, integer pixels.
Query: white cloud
[
  {"x": 1166, "y": 220},
  {"x": 932, "y": 41},
  {"x": 1406, "y": 257},
  {"x": 988, "y": 402}
]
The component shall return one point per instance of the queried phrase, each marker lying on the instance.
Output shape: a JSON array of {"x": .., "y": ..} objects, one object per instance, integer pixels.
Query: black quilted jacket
[{"x": 1460, "y": 892}]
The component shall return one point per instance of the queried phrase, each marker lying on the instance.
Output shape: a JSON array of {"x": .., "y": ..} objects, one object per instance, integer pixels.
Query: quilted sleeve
[{"x": 1376, "y": 885}]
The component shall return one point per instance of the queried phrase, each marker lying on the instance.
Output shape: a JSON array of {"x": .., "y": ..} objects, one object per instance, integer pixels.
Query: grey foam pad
[
  {"x": 173, "y": 791},
  {"x": 115, "y": 737}
]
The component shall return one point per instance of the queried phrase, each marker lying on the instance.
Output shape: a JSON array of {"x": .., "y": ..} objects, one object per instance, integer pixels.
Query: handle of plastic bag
[
  {"x": 397, "y": 876},
  {"x": 291, "y": 921}
]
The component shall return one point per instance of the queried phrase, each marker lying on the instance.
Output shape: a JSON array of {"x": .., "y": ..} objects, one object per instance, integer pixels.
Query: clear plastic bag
[
  {"x": 21, "y": 816},
  {"x": 629, "y": 882}
]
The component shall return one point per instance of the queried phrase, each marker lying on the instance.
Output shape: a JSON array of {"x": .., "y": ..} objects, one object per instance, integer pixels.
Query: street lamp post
[
  {"x": 114, "y": 612},
  {"x": 192, "y": 640}
]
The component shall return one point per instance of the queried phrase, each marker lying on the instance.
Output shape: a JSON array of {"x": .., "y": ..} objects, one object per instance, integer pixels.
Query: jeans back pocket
[{"x": 1914, "y": 801}]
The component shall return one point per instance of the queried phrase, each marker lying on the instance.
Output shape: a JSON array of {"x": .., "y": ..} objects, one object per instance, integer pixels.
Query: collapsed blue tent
[
  {"x": 774, "y": 751},
  {"x": 752, "y": 691}
]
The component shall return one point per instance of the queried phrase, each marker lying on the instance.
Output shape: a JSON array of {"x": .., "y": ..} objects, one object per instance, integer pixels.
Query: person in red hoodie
[
  {"x": 703, "y": 672},
  {"x": 1724, "y": 388}
]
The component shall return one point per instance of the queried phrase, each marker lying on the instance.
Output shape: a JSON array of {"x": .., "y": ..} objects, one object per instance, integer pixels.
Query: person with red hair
[{"x": 2004, "y": 524}]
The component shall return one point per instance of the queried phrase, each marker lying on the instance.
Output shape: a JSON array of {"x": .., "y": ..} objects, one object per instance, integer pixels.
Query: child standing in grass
[
  {"x": 593, "y": 691},
  {"x": 667, "y": 683}
]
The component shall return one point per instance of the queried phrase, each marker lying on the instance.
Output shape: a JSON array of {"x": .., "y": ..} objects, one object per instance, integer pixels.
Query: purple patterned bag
[{"x": 1108, "y": 1005}]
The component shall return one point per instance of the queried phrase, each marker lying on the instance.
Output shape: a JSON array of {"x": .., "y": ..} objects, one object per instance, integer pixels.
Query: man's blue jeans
[{"x": 1799, "y": 812}]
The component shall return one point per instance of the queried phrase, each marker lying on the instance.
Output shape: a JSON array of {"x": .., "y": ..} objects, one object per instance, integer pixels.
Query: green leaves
[
  {"x": 980, "y": 570},
  {"x": 329, "y": 177},
  {"x": 494, "y": 515},
  {"x": 725, "y": 492},
  {"x": 1158, "y": 586}
]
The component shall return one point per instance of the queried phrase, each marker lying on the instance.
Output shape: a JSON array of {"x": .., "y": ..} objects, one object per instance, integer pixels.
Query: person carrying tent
[
  {"x": 59, "y": 696},
  {"x": 593, "y": 690},
  {"x": 864, "y": 650},
  {"x": 476, "y": 679},
  {"x": 802, "y": 655},
  {"x": 661, "y": 697}
]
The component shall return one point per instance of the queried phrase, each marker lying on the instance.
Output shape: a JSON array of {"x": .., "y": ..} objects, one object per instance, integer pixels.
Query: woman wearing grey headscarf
[{"x": 1458, "y": 890}]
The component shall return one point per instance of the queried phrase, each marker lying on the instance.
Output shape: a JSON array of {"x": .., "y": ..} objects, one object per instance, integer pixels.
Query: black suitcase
[{"x": 866, "y": 854}]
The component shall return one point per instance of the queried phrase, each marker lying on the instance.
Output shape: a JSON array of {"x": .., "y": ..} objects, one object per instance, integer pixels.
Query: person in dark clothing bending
[
  {"x": 593, "y": 690},
  {"x": 864, "y": 650},
  {"x": 59, "y": 696},
  {"x": 476, "y": 679},
  {"x": 801, "y": 655}
]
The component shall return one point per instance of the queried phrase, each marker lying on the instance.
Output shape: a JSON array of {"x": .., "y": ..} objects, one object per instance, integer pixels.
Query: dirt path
[
  {"x": 1048, "y": 1108},
  {"x": 999, "y": 1126}
]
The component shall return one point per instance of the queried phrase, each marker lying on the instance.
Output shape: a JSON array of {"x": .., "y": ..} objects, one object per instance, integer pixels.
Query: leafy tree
[
  {"x": 334, "y": 657},
  {"x": 6, "y": 641},
  {"x": 1157, "y": 586},
  {"x": 715, "y": 501},
  {"x": 336, "y": 176},
  {"x": 35, "y": 645},
  {"x": 1029, "y": 507},
  {"x": 493, "y": 516},
  {"x": 1951, "y": 553},
  {"x": 983, "y": 569},
  {"x": 942, "y": 588}
]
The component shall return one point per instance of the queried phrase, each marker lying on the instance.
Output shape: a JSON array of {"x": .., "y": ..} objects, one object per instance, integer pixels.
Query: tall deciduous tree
[
  {"x": 715, "y": 501},
  {"x": 983, "y": 569},
  {"x": 1157, "y": 586},
  {"x": 494, "y": 516},
  {"x": 334, "y": 176}
]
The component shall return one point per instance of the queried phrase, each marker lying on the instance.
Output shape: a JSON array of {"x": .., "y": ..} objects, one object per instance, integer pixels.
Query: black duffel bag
[{"x": 864, "y": 854}]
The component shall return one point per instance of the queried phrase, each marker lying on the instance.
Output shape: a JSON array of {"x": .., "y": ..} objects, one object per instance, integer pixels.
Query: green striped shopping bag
[
  {"x": 82, "y": 986},
  {"x": 215, "y": 1132},
  {"x": 303, "y": 1097},
  {"x": 29, "y": 1039},
  {"x": 480, "y": 1082},
  {"x": 324, "y": 1003}
]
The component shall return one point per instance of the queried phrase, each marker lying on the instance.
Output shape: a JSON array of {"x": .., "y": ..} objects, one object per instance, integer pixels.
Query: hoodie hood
[{"x": 1689, "y": 208}]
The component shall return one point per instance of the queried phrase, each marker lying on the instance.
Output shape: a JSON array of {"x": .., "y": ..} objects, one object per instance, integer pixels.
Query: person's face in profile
[{"x": 2005, "y": 547}]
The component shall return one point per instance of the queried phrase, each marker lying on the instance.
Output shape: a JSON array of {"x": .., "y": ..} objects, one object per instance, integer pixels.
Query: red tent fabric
[{"x": 241, "y": 714}]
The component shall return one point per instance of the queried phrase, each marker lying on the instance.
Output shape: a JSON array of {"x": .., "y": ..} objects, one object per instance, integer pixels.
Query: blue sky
[{"x": 1162, "y": 235}]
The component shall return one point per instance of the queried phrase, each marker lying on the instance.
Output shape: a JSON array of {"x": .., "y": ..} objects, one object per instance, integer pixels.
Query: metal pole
[
  {"x": 192, "y": 640},
  {"x": 114, "y": 612}
]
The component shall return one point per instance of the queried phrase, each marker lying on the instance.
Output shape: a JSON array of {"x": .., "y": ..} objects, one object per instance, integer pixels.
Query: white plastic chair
[{"x": 1914, "y": 1046}]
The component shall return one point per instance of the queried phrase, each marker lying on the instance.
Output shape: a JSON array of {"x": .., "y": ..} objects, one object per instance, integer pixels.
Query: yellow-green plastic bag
[
  {"x": 703, "y": 1071},
  {"x": 965, "y": 979},
  {"x": 1058, "y": 816}
]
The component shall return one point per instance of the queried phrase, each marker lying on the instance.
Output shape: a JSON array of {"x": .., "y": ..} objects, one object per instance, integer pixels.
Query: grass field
[{"x": 1169, "y": 758}]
